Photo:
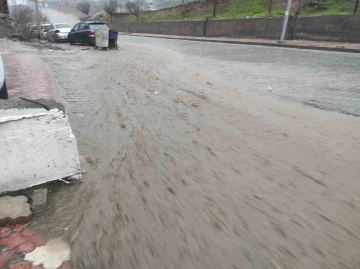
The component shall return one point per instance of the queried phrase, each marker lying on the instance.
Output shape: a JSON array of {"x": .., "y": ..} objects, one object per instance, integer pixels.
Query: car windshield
[
  {"x": 47, "y": 27},
  {"x": 62, "y": 25},
  {"x": 98, "y": 26}
]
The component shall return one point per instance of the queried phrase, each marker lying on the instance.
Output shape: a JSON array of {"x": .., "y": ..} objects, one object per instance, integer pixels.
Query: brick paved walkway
[
  {"x": 300, "y": 44},
  {"x": 28, "y": 76}
]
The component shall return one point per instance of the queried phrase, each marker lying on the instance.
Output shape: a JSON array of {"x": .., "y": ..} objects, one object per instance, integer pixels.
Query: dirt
[{"x": 199, "y": 175}]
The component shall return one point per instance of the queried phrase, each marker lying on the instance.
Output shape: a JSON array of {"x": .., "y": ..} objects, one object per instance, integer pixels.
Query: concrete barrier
[
  {"x": 189, "y": 28},
  {"x": 344, "y": 28},
  {"x": 36, "y": 144},
  {"x": 260, "y": 28}
]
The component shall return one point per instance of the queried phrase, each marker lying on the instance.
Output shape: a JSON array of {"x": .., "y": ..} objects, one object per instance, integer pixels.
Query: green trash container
[{"x": 113, "y": 36}]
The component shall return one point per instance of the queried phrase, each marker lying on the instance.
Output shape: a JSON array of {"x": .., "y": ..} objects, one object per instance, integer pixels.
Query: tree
[
  {"x": 22, "y": 15},
  {"x": 271, "y": 2},
  {"x": 84, "y": 7},
  {"x": 134, "y": 8},
  {"x": 214, "y": 8},
  {"x": 110, "y": 7},
  {"x": 301, "y": 4},
  {"x": 356, "y": 6}
]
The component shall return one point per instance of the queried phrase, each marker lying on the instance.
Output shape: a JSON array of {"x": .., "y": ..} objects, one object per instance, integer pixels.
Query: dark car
[{"x": 84, "y": 32}]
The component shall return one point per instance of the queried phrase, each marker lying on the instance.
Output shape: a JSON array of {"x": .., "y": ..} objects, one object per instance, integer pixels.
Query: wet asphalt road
[
  {"x": 188, "y": 167},
  {"x": 325, "y": 80},
  {"x": 58, "y": 17},
  {"x": 186, "y": 170}
]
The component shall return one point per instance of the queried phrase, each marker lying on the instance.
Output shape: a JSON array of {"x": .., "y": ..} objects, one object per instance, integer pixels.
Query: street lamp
[{"x": 286, "y": 19}]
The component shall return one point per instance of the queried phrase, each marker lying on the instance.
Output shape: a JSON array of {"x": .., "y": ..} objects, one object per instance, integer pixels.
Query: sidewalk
[
  {"x": 296, "y": 44},
  {"x": 30, "y": 77}
]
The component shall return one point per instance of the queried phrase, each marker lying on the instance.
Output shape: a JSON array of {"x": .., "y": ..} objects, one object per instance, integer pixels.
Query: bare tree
[
  {"x": 110, "y": 7},
  {"x": 42, "y": 18},
  {"x": 214, "y": 7},
  {"x": 271, "y": 3},
  {"x": 134, "y": 8},
  {"x": 356, "y": 6},
  {"x": 299, "y": 7},
  {"x": 84, "y": 7},
  {"x": 22, "y": 15}
]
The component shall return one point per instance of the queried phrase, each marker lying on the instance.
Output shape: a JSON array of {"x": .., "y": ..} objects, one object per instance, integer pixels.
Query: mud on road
[{"x": 186, "y": 172}]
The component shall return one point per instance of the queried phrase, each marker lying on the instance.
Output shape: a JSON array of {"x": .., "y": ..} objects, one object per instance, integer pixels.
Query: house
[{"x": 16, "y": 2}]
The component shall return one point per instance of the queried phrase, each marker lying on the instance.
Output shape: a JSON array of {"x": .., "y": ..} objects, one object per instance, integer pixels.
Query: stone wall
[{"x": 344, "y": 28}]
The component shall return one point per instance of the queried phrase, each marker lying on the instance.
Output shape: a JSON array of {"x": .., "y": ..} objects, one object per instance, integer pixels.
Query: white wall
[{"x": 16, "y": 2}]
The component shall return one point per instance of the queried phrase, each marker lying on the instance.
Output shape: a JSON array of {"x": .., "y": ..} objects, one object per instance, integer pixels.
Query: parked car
[
  {"x": 58, "y": 31},
  {"x": 3, "y": 90},
  {"x": 84, "y": 32},
  {"x": 43, "y": 29}
]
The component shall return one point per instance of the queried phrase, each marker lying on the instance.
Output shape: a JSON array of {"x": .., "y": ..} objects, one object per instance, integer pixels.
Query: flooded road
[
  {"x": 320, "y": 79},
  {"x": 187, "y": 170}
]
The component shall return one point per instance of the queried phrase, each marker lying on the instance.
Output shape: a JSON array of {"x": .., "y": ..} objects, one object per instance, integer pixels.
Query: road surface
[
  {"x": 192, "y": 163},
  {"x": 315, "y": 78},
  {"x": 58, "y": 17}
]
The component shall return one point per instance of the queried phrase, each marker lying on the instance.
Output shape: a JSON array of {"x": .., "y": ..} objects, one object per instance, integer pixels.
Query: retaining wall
[
  {"x": 344, "y": 28},
  {"x": 260, "y": 28},
  {"x": 189, "y": 28}
]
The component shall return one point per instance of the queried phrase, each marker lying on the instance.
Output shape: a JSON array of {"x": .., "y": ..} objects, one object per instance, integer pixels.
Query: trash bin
[
  {"x": 113, "y": 36},
  {"x": 102, "y": 38}
]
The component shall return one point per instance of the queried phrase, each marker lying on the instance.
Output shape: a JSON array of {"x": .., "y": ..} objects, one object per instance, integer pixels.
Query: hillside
[{"x": 237, "y": 9}]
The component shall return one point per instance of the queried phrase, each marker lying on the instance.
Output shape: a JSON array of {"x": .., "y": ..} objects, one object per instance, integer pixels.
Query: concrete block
[
  {"x": 50, "y": 256},
  {"x": 39, "y": 200},
  {"x": 36, "y": 144},
  {"x": 14, "y": 210}
]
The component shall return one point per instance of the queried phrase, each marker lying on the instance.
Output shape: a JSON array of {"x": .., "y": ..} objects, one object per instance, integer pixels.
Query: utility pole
[
  {"x": 37, "y": 19},
  {"x": 286, "y": 19}
]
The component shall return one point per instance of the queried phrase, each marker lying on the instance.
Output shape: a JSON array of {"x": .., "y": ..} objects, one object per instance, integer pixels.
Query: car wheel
[
  {"x": 71, "y": 41},
  {"x": 3, "y": 92}
]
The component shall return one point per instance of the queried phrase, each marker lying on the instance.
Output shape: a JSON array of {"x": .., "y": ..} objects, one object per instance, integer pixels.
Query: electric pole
[
  {"x": 286, "y": 19},
  {"x": 37, "y": 19}
]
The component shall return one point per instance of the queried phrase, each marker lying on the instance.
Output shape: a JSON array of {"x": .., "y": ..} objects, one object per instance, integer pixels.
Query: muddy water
[{"x": 200, "y": 175}]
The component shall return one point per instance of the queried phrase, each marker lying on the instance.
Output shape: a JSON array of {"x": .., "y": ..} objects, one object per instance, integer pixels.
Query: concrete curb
[
  {"x": 277, "y": 45},
  {"x": 37, "y": 144}
]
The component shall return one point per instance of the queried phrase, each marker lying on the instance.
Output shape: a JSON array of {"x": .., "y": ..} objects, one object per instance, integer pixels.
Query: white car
[
  {"x": 3, "y": 90},
  {"x": 58, "y": 32},
  {"x": 43, "y": 29}
]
